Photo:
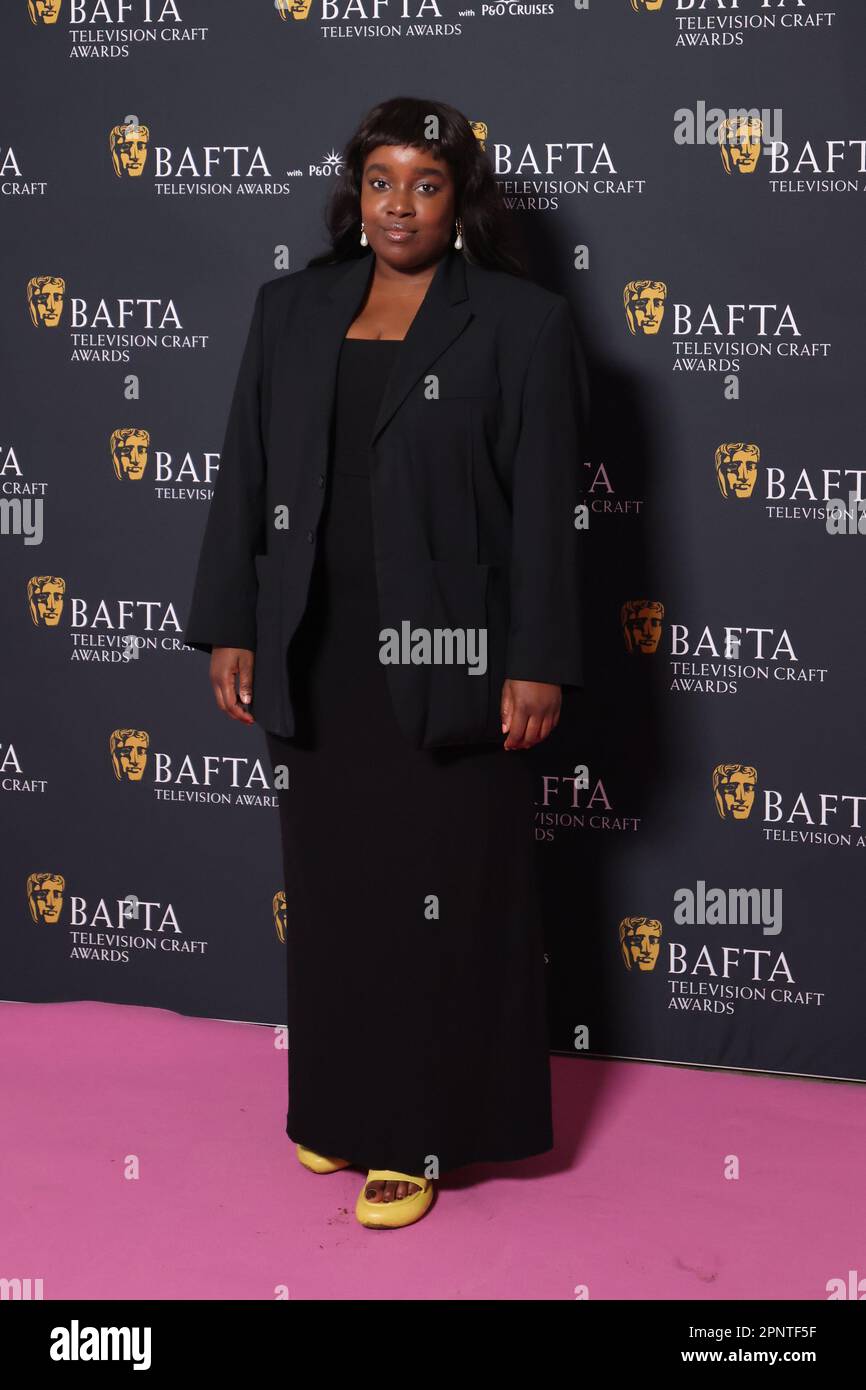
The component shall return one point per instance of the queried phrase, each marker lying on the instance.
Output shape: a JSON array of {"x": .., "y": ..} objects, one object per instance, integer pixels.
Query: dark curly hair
[{"x": 488, "y": 237}]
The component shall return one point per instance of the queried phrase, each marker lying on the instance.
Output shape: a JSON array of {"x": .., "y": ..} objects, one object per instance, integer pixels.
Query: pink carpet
[{"x": 633, "y": 1203}]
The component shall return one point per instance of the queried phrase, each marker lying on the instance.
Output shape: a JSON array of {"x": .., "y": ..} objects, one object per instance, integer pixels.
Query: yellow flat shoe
[
  {"x": 400, "y": 1212},
  {"x": 317, "y": 1163}
]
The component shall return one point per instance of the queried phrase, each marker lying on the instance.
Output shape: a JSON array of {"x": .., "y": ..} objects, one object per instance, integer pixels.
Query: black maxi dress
[{"x": 416, "y": 1031}]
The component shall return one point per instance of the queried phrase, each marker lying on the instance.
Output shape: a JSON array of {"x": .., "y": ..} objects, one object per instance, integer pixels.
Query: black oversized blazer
[{"x": 474, "y": 483}]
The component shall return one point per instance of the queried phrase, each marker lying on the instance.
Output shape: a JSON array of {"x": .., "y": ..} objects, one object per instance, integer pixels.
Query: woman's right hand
[{"x": 227, "y": 663}]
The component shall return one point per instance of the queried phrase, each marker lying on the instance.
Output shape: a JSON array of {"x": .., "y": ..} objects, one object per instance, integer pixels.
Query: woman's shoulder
[
  {"x": 513, "y": 298},
  {"x": 287, "y": 293},
  {"x": 293, "y": 282}
]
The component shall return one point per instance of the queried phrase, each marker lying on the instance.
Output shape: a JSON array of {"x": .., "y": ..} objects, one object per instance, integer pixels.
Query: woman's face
[{"x": 411, "y": 190}]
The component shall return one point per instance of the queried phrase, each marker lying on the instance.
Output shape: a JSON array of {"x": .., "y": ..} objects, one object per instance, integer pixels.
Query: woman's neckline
[{"x": 374, "y": 340}]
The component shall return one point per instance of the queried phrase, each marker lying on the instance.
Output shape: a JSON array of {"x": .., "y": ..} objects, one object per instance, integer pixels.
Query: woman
[{"x": 388, "y": 574}]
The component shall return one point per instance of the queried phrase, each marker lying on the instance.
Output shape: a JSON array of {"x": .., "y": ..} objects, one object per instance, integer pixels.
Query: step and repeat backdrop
[{"x": 691, "y": 174}]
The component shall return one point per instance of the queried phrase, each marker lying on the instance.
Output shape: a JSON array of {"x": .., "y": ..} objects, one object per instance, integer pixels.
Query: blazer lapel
[
  {"x": 310, "y": 346},
  {"x": 444, "y": 313}
]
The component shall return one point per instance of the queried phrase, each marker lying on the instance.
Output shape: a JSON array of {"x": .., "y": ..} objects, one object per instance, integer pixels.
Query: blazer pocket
[{"x": 444, "y": 701}]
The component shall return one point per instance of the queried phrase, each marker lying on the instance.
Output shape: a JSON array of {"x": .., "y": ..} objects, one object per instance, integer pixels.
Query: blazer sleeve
[
  {"x": 544, "y": 633},
  {"x": 222, "y": 611}
]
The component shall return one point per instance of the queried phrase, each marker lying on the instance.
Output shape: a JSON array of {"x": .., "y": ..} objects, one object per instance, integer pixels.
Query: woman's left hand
[{"x": 530, "y": 711}]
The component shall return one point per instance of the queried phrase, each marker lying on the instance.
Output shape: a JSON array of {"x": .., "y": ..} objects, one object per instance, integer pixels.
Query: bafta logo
[
  {"x": 737, "y": 469},
  {"x": 279, "y": 906},
  {"x": 298, "y": 9},
  {"x": 734, "y": 790},
  {"x": 639, "y": 941},
  {"x": 740, "y": 143},
  {"x": 43, "y": 11},
  {"x": 644, "y": 302},
  {"x": 128, "y": 146},
  {"x": 45, "y": 294},
  {"x": 129, "y": 453},
  {"x": 479, "y": 130},
  {"x": 45, "y": 599},
  {"x": 45, "y": 897},
  {"x": 641, "y": 620},
  {"x": 647, "y": 6},
  {"x": 129, "y": 753}
]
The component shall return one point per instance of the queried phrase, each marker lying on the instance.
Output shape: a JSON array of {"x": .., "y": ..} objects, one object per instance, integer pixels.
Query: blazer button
[
  {"x": 310, "y": 537},
  {"x": 321, "y": 480}
]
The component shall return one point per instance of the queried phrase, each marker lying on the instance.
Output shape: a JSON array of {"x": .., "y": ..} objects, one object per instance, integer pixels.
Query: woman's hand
[
  {"x": 529, "y": 710},
  {"x": 226, "y": 663}
]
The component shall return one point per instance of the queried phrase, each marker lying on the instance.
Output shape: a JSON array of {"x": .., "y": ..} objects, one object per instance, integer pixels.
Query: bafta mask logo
[
  {"x": 479, "y": 130},
  {"x": 45, "y": 599},
  {"x": 45, "y": 295},
  {"x": 279, "y": 906},
  {"x": 297, "y": 9},
  {"x": 639, "y": 941},
  {"x": 644, "y": 302},
  {"x": 740, "y": 143},
  {"x": 129, "y": 753},
  {"x": 129, "y": 453},
  {"x": 45, "y": 897},
  {"x": 646, "y": 6},
  {"x": 43, "y": 11},
  {"x": 128, "y": 146},
  {"x": 734, "y": 790},
  {"x": 641, "y": 620},
  {"x": 737, "y": 469}
]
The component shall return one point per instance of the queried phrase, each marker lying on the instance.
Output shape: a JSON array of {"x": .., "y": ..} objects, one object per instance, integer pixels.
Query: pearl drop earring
[
  {"x": 364, "y": 241},
  {"x": 458, "y": 240}
]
